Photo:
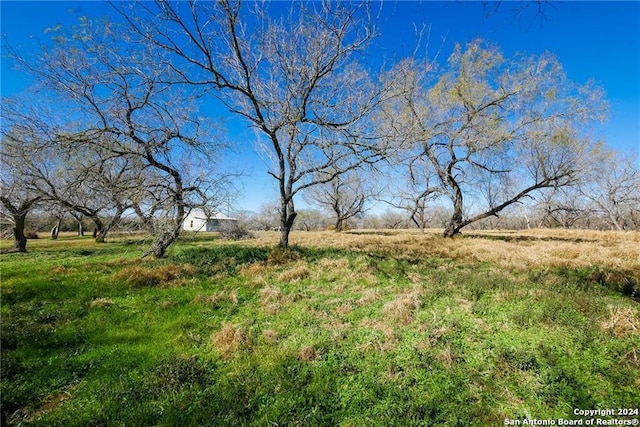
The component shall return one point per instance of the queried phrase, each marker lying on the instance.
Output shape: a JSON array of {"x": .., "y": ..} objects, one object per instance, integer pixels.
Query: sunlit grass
[{"x": 400, "y": 328}]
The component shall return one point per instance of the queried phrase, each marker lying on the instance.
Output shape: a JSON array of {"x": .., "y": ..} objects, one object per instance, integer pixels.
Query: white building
[{"x": 198, "y": 220}]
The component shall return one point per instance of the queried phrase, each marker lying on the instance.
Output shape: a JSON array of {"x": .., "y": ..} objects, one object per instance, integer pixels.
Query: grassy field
[{"x": 364, "y": 328}]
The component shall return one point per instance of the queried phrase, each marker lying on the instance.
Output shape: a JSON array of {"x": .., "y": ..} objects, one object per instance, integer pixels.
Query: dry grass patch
[
  {"x": 621, "y": 322},
  {"x": 389, "y": 337},
  {"x": 295, "y": 273},
  {"x": 101, "y": 302},
  {"x": 217, "y": 298},
  {"x": 272, "y": 298},
  {"x": 401, "y": 308},
  {"x": 369, "y": 296},
  {"x": 520, "y": 250},
  {"x": 344, "y": 309},
  {"x": 338, "y": 329},
  {"x": 308, "y": 354},
  {"x": 229, "y": 340},
  {"x": 256, "y": 272},
  {"x": 162, "y": 275},
  {"x": 270, "y": 336}
]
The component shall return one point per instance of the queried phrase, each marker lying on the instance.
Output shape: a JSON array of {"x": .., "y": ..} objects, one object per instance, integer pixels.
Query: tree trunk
[
  {"x": 56, "y": 229},
  {"x": 80, "y": 229},
  {"x": 286, "y": 226},
  {"x": 456, "y": 223},
  {"x": 19, "y": 239},
  {"x": 453, "y": 228}
]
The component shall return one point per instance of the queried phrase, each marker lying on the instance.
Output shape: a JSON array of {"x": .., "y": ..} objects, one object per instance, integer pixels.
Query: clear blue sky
[{"x": 593, "y": 40}]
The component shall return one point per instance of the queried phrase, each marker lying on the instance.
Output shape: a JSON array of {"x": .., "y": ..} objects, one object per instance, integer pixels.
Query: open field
[{"x": 355, "y": 329}]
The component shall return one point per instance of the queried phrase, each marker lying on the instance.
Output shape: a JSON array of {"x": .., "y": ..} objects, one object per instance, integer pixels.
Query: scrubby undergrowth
[{"x": 368, "y": 329}]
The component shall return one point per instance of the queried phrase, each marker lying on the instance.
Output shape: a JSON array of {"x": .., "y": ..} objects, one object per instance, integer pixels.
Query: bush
[
  {"x": 235, "y": 232},
  {"x": 30, "y": 234}
]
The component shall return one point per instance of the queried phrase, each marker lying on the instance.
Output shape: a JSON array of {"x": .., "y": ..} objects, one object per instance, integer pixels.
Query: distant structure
[{"x": 198, "y": 220}]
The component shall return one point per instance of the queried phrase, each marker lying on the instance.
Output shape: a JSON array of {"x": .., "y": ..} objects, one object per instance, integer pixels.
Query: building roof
[{"x": 200, "y": 214}]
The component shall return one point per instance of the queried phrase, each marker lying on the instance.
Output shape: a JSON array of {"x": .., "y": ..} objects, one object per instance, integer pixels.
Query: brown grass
[
  {"x": 217, "y": 298},
  {"x": 402, "y": 307},
  {"x": 295, "y": 273},
  {"x": 101, "y": 302},
  {"x": 621, "y": 322},
  {"x": 308, "y": 354},
  {"x": 388, "y": 340},
  {"x": 270, "y": 335},
  {"x": 369, "y": 296},
  {"x": 229, "y": 340},
  {"x": 521, "y": 249},
  {"x": 272, "y": 299},
  {"x": 162, "y": 275}
]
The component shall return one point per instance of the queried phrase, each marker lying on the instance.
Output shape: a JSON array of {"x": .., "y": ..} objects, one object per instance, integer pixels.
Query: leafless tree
[
  {"x": 16, "y": 201},
  {"x": 612, "y": 188},
  {"x": 345, "y": 196},
  {"x": 294, "y": 78},
  {"x": 496, "y": 130}
]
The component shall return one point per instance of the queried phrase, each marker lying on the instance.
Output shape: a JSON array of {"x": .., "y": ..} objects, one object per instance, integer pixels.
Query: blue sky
[{"x": 593, "y": 40}]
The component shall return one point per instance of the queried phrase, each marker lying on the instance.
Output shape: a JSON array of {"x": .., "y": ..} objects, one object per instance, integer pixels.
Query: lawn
[{"x": 353, "y": 329}]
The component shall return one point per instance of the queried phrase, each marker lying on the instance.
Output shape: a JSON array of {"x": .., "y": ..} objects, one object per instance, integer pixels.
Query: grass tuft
[
  {"x": 401, "y": 308},
  {"x": 102, "y": 302},
  {"x": 229, "y": 340},
  {"x": 295, "y": 273}
]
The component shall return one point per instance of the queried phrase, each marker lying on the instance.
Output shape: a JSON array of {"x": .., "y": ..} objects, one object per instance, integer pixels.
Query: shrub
[
  {"x": 31, "y": 234},
  {"x": 235, "y": 232}
]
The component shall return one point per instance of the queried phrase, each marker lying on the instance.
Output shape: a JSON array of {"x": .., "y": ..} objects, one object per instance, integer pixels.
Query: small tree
[
  {"x": 612, "y": 187},
  {"x": 16, "y": 205},
  {"x": 345, "y": 196}
]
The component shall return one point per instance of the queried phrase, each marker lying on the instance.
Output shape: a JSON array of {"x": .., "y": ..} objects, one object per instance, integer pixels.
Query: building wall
[{"x": 194, "y": 224}]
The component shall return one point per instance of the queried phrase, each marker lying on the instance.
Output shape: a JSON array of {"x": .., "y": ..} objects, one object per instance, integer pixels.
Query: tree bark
[
  {"x": 456, "y": 223},
  {"x": 19, "y": 239},
  {"x": 287, "y": 220},
  {"x": 19, "y": 215},
  {"x": 56, "y": 229}
]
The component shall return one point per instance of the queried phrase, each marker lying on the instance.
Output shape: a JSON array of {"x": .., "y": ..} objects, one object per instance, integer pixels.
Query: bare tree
[
  {"x": 17, "y": 201},
  {"x": 612, "y": 187},
  {"x": 345, "y": 196},
  {"x": 294, "y": 78},
  {"x": 17, "y": 192},
  {"x": 496, "y": 130}
]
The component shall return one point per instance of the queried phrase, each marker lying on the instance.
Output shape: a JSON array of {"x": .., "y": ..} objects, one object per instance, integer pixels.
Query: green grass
[{"x": 237, "y": 334}]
